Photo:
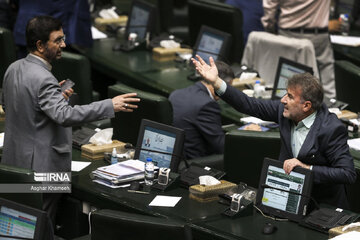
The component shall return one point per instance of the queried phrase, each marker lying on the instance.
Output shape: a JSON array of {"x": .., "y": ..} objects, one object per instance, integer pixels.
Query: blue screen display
[{"x": 157, "y": 140}]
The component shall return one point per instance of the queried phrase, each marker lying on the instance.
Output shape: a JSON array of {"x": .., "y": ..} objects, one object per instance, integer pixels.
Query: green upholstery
[
  {"x": 244, "y": 154},
  {"x": 347, "y": 80},
  {"x": 77, "y": 68},
  {"x": 152, "y": 106},
  {"x": 7, "y": 51},
  {"x": 111, "y": 224},
  {"x": 220, "y": 16},
  {"x": 13, "y": 175}
]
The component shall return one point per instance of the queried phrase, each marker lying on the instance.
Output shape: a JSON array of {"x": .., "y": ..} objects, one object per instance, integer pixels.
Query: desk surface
[{"x": 205, "y": 218}]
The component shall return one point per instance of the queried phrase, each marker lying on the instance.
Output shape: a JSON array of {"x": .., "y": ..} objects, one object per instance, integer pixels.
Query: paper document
[
  {"x": 345, "y": 40},
  {"x": 119, "y": 173},
  {"x": 77, "y": 166},
  {"x": 354, "y": 143},
  {"x": 2, "y": 139},
  {"x": 255, "y": 120},
  {"x": 164, "y": 201},
  {"x": 353, "y": 235},
  {"x": 125, "y": 168},
  {"x": 96, "y": 34}
]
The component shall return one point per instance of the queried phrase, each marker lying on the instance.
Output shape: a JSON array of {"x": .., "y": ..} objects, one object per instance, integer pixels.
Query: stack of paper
[
  {"x": 354, "y": 144},
  {"x": 345, "y": 40},
  {"x": 122, "y": 172}
]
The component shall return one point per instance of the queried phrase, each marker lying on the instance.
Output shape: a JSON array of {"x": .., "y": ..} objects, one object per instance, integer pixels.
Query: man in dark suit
[
  {"x": 196, "y": 111},
  {"x": 311, "y": 136}
]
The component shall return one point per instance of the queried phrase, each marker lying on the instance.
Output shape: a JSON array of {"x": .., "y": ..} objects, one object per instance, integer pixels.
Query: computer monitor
[
  {"x": 141, "y": 19},
  {"x": 164, "y": 144},
  {"x": 285, "y": 70},
  {"x": 18, "y": 221},
  {"x": 282, "y": 195},
  {"x": 212, "y": 42},
  {"x": 344, "y": 7}
]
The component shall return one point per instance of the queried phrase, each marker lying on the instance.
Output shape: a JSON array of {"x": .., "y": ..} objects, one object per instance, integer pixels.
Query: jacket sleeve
[
  {"x": 267, "y": 110},
  {"x": 340, "y": 165},
  {"x": 209, "y": 125},
  {"x": 54, "y": 105}
]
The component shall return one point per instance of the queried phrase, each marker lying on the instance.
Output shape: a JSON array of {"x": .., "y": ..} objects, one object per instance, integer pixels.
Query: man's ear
[
  {"x": 307, "y": 106},
  {"x": 40, "y": 46}
]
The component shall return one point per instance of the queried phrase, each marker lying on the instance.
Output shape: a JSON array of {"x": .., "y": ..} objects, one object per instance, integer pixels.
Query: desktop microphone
[{"x": 296, "y": 193}]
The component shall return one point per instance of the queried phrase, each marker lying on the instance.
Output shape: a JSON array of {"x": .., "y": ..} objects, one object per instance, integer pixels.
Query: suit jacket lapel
[
  {"x": 286, "y": 132},
  {"x": 311, "y": 137}
]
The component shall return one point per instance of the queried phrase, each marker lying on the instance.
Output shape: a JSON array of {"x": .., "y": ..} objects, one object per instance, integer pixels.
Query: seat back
[
  {"x": 152, "y": 106},
  {"x": 347, "y": 82},
  {"x": 220, "y": 16},
  {"x": 77, "y": 68},
  {"x": 244, "y": 154},
  {"x": 262, "y": 52},
  {"x": 15, "y": 175},
  {"x": 111, "y": 224},
  {"x": 7, "y": 50}
]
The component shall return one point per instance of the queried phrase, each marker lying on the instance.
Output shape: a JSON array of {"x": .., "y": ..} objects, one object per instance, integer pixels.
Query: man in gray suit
[{"x": 38, "y": 132}]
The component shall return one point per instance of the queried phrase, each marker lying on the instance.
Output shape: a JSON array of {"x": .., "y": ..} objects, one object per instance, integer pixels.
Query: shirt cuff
[
  {"x": 311, "y": 167},
  {"x": 222, "y": 89}
]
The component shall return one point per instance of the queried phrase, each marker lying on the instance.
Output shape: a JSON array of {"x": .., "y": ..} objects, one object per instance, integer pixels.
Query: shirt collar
[
  {"x": 212, "y": 97},
  {"x": 48, "y": 65},
  {"x": 308, "y": 121}
]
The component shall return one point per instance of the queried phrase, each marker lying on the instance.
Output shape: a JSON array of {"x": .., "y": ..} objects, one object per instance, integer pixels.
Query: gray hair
[{"x": 311, "y": 88}]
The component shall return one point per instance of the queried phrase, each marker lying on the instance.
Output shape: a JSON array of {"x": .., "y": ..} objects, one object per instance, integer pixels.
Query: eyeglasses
[{"x": 59, "y": 40}]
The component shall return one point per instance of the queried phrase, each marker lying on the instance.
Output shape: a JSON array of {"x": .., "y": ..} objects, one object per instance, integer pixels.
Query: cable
[{"x": 267, "y": 216}]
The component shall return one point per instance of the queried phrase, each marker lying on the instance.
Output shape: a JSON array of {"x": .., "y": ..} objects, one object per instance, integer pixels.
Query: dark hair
[
  {"x": 224, "y": 71},
  {"x": 39, "y": 28},
  {"x": 311, "y": 88}
]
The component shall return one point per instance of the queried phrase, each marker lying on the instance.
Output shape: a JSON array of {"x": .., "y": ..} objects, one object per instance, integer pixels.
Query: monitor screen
[
  {"x": 163, "y": 143},
  {"x": 285, "y": 70},
  {"x": 17, "y": 220},
  {"x": 344, "y": 7},
  {"x": 283, "y": 195},
  {"x": 212, "y": 42},
  {"x": 140, "y": 19}
]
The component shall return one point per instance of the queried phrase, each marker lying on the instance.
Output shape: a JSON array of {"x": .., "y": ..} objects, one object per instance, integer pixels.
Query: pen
[{"x": 135, "y": 191}]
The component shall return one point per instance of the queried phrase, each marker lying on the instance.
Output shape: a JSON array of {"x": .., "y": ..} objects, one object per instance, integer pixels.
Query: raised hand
[{"x": 208, "y": 72}]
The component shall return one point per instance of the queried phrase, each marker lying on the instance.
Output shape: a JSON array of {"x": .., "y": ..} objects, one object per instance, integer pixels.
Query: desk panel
[{"x": 250, "y": 227}]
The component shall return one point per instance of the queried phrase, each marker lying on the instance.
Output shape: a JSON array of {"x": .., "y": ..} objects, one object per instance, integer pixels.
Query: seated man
[
  {"x": 196, "y": 111},
  {"x": 311, "y": 136}
]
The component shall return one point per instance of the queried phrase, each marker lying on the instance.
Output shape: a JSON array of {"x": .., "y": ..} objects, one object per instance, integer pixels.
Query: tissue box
[
  {"x": 347, "y": 114},
  {"x": 333, "y": 232},
  {"x": 168, "y": 54},
  {"x": 210, "y": 193},
  {"x": 241, "y": 85},
  {"x": 101, "y": 23},
  {"x": 95, "y": 152}
]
